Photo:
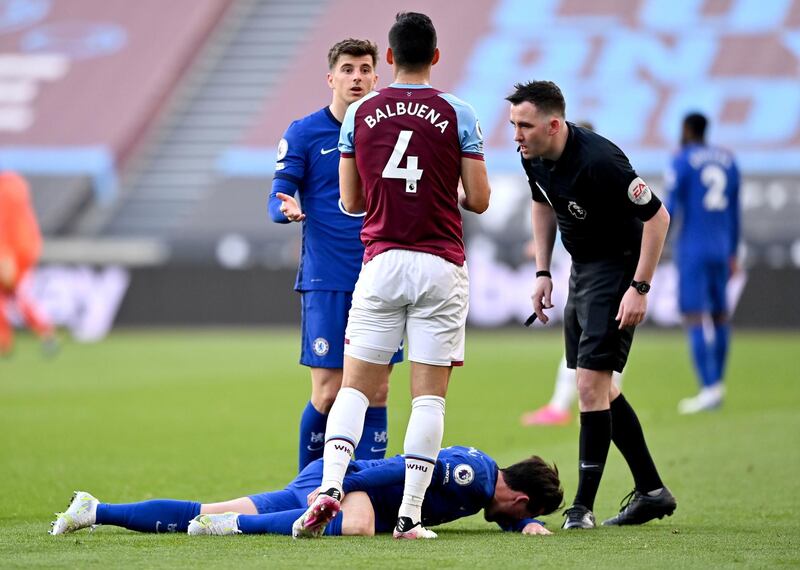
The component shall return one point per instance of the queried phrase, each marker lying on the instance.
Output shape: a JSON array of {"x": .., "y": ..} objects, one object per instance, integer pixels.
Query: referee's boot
[
  {"x": 578, "y": 516},
  {"x": 639, "y": 508}
]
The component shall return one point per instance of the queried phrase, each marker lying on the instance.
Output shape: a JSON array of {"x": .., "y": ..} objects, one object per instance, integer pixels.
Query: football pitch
[{"x": 213, "y": 415}]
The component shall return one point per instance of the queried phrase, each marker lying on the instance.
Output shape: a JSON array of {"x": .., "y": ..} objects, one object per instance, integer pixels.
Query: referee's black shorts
[{"x": 592, "y": 336}]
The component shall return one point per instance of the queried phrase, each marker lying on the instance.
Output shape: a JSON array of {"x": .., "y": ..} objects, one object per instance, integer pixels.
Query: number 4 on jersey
[{"x": 411, "y": 174}]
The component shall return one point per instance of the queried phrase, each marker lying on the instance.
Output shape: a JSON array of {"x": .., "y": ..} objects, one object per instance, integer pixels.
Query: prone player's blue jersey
[
  {"x": 704, "y": 195},
  {"x": 463, "y": 483},
  {"x": 308, "y": 163}
]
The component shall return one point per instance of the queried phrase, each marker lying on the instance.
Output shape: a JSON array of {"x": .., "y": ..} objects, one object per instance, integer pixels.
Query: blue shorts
[
  {"x": 294, "y": 495},
  {"x": 701, "y": 287},
  {"x": 323, "y": 319}
]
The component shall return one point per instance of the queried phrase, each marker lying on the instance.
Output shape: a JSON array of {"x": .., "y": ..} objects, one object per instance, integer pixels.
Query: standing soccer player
[
  {"x": 20, "y": 247},
  {"x": 308, "y": 164},
  {"x": 704, "y": 186},
  {"x": 613, "y": 227},
  {"x": 404, "y": 150}
]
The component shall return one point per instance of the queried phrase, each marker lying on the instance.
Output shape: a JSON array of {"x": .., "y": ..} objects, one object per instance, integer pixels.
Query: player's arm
[
  {"x": 526, "y": 526},
  {"x": 543, "y": 220},
  {"x": 290, "y": 168},
  {"x": 351, "y": 190},
  {"x": 475, "y": 181},
  {"x": 283, "y": 208},
  {"x": 736, "y": 210}
]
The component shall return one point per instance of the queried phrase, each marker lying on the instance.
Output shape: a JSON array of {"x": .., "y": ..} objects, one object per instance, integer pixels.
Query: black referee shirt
[{"x": 599, "y": 200}]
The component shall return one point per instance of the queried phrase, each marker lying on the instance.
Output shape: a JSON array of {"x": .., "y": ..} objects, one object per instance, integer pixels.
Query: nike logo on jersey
[
  {"x": 328, "y": 151},
  {"x": 590, "y": 465},
  {"x": 377, "y": 449},
  {"x": 308, "y": 447}
]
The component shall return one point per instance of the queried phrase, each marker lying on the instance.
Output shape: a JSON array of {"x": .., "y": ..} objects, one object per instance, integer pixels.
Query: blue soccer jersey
[
  {"x": 704, "y": 194},
  {"x": 463, "y": 484},
  {"x": 308, "y": 164}
]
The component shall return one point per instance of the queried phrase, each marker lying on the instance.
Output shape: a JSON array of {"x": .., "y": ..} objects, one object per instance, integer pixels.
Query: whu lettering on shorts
[{"x": 417, "y": 467}]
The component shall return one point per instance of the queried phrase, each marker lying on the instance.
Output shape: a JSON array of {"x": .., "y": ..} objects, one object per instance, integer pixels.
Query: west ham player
[
  {"x": 465, "y": 481},
  {"x": 308, "y": 164},
  {"x": 404, "y": 150},
  {"x": 704, "y": 193}
]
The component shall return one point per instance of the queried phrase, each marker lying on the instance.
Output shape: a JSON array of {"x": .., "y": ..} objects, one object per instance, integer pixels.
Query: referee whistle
[{"x": 529, "y": 321}]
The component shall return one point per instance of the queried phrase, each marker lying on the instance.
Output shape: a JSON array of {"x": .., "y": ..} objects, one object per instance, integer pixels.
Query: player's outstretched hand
[
  {"x": 542, "y": 289},
  {"x": 632, "y": 309},
  {"x": 535, "y": 528},
  {"x": 289, "y": 208}
]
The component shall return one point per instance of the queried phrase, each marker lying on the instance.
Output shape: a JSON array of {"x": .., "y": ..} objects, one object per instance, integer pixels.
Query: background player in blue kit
[
  {"x": 704, "y": 194},
  {"x": 330, "y": 261},
  {"x": 465, "y": 480}
]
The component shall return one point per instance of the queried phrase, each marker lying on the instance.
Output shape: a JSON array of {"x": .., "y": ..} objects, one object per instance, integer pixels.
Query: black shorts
[{"x": 592, "y": 336}]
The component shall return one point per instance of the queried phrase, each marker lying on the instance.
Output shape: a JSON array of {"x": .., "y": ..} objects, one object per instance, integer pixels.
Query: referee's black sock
[
  {"x": 594, "y": 443},
  {"x": 629, "y": 438}
]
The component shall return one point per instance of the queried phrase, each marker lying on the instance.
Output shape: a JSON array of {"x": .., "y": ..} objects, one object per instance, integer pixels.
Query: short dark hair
[
  {"x": 544, "y": 94},
  {"x": 696, "y": 124},
  {"x": 413, "y": 40},
  {"x": 538, "y": 480},
  {"x": 353, "y": 47}
]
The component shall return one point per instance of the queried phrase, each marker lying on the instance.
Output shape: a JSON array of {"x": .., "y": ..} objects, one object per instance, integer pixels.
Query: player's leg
[
  {"x": 594, "y": 443},
  {"x": 374, "y": 437},
  {"x": 650, "y": 498},
  {"x": 556, "y": 412},
  {"x": 374, "y": 330},
  {"x": 31, "y": 314},
  {"x": 436, "y": 333},
  {"x": 323, "y": 315},
  {"x": 356, "y": 518},
  {"x": 720, "y": 321},
  {"x": 158, "y": 515},
  {"x": 593, "y": 345},
  {"x": 6, "y": 332}
]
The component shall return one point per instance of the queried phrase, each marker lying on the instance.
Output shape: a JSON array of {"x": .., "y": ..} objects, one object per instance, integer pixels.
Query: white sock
[
  {"x": 566, "y": 388},
  {"x": 421, "y": 448},
  {"x": 342, "y": 434}
]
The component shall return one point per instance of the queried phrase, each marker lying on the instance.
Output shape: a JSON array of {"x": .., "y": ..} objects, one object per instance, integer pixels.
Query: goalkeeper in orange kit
[{"x": 20, "y": 247}]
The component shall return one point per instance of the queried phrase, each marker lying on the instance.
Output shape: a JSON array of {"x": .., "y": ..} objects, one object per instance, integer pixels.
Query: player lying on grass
[{"x": 465, "y": 480}]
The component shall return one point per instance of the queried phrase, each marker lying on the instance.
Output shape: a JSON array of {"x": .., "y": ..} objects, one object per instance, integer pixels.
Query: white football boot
[
  {"x": 81, "y": 513},
  {"x": 218, "y": 524},
  {"x": 709, "y": 398}
]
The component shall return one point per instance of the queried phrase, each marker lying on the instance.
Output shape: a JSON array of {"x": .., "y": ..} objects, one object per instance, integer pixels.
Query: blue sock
[
  {"x": 722, "y": 340},
  {"x": 281, "y": 523},
  {"x": 701, "y": 355},
  {"x": 374, "y": 439},
  {"x": 312, "y": 435},
  {"x": 160, "y": 515}
]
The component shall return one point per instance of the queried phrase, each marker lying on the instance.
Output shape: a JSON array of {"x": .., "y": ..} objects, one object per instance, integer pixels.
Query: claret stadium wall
[{"x": 148, "y": 130}]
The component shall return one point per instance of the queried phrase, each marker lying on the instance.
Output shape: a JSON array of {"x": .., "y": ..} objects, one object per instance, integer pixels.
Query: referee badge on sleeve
[{"x": 639, "y": 192}]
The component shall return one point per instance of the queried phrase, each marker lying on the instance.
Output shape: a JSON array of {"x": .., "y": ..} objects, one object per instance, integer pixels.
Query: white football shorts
[{"x": 402, "y": 292}]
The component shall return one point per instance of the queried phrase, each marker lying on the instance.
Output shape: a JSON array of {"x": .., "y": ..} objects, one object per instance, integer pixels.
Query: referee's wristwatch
[{"x": 642, "y": 287}]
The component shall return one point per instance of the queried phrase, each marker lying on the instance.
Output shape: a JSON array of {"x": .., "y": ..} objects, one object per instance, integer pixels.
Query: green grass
[{"x": 212, "y": 415}]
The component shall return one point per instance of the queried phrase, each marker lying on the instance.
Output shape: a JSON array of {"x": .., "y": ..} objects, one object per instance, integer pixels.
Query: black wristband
[{"x": 544, "y": 273}]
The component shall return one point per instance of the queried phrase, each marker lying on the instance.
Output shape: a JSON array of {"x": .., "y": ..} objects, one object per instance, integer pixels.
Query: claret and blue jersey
[{"x": 307, "y": 163}]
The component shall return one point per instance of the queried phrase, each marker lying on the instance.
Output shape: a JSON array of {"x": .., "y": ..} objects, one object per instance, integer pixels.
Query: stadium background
[{"x": 148, "y": 128}]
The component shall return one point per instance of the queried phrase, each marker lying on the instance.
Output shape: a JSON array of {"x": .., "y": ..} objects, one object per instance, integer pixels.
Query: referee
[{"x": 614, "y": 228}]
